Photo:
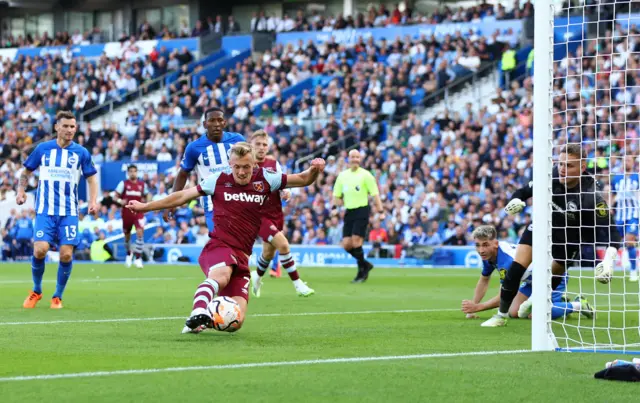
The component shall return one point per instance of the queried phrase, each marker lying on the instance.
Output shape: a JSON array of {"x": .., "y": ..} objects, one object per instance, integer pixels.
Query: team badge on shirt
[
  {"x": 602, "y": 210},
  {"x": 258, "y": 186}
]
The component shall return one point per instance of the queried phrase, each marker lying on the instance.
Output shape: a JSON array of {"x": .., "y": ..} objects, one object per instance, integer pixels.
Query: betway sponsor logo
[{"x": 244, "y": 197}]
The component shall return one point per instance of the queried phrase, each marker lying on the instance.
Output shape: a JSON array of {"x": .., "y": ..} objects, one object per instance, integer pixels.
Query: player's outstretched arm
[
  {"x": 307, "y": 177},
  {"x": 171, "y": 201}
]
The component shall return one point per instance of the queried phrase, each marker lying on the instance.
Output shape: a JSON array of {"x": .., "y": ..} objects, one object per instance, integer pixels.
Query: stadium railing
[{"x": 111, "y": 105}]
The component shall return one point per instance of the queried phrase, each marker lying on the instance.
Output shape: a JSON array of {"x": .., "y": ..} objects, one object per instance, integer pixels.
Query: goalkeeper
[{"x": 580, "y": 215}]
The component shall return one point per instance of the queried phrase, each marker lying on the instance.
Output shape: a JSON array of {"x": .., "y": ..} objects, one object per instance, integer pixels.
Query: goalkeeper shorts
[{"x": 560, "y": 250}]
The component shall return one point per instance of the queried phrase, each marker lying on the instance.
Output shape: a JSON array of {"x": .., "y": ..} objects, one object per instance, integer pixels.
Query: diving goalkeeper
[{"x": 580, "y": 216}]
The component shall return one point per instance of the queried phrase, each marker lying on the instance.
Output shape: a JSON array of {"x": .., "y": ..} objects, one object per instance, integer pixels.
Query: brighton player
[
  {"x": 498, "y": 256},
  {"x": 207, "y": 155},
  {"x": 129, "y": 189},
  {"x": 272, "y": 224},
  {"x": 626, "y": 190},
  {"x": 238, "y": 198},
  {"x": 580, "y": 217},
  {"x": 60, "y": 161}
]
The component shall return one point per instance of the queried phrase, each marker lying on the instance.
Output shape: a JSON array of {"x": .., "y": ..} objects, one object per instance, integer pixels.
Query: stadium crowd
[
  {"x": 375, "y": 17},
  {"x": 438, "y": 178}
]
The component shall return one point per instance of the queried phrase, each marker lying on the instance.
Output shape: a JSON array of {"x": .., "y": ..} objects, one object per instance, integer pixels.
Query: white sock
[
  {"x": 504, "y": 315},
  {"x": 298, "y": 283},
  {"x": 577, "y": 306}
]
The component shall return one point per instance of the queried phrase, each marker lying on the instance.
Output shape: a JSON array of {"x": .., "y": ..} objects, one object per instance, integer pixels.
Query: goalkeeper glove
[
  {"x": 515, "y": 206},
  {"x": 604, "y": 269}
]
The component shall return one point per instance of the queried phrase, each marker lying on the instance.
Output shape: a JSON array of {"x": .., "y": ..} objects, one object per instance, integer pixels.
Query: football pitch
[{"x": 398, "y": 337}]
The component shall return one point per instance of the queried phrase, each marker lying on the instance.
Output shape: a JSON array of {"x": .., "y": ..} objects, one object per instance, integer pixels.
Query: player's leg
[
  {"x": 138, "y": 248},
  {"x": 631, "y": 241},
  {"x": 276, "y": 270},
  {"x": 511, "y": 283},
  {"x": 45, "y": 234},
  {"x": 127, "y": 226},
  {"x": 518, "y": 301},
  {"x": 68, "y": 239},
  {"x": 347, "y": 242},
  {"x": 268, "y": 250},
  {"x": 217, "y": 278},
  {"x": 359, "y": 232},
  {"x": 238, "y": 290},
  {"x": 243, "y": 303},
  {"x": 216, "y": 263},
  {"x": 288, "y": 263}
]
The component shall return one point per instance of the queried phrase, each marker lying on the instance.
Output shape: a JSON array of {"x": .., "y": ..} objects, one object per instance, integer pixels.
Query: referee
[{"x": 353, "y": 187}]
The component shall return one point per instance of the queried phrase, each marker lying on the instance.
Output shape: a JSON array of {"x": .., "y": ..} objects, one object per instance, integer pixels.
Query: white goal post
[{"x": 593, "y": 86}]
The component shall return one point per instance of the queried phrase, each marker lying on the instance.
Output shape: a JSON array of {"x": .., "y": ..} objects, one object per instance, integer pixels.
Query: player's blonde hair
[
  {"x": 485, "y": 233},
  {"x": 241, "y": 149},
  {"x": 259, "y": 134}
]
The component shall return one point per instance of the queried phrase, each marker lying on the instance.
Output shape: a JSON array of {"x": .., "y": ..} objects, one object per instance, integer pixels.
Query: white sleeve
[
  {"x": 208, "y": 185},
  {"x": 273, "y": 178},
  {"x": 120, "y": 188}
]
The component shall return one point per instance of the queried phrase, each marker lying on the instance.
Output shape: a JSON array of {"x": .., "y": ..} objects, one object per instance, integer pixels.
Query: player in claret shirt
[
  {"x": 238, "y": 198},
  {"x": 129, "y": 189},
  {"x": 272, "y": 225}
]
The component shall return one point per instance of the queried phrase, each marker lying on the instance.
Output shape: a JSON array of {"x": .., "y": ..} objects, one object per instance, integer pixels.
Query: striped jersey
[
  {"x": 60, "y": 170},
  {"x": 626, "y": 190},
  {"x": 207, "y": 158}
]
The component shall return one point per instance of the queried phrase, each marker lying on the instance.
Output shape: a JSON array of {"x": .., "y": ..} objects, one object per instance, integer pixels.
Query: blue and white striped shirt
[
  {"x": 60, "y": 170},
  {"x": 208, "y": 157},
  {"x": 626, "y": 189}
]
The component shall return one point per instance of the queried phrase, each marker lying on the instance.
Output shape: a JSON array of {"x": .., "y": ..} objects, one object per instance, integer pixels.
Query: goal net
[{"x": 587, "y": 92}]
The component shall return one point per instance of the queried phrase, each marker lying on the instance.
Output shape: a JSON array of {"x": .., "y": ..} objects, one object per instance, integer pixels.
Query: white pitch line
[
  {"x": 258, "y": 315},
  {"x": 103, "y": 280},
  {"x": 257, "y": 365}
]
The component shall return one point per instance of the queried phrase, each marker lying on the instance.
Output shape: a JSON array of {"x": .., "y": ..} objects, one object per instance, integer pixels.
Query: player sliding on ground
[
  {"x": 237, "y": 199},
  {"x": 498, "y": 256},
  {"x": 132, "y": 189},
  {"x": 580, "y": 216},
  {"x": 273, "y": 224},
  {"x": 60, "y": 161}
]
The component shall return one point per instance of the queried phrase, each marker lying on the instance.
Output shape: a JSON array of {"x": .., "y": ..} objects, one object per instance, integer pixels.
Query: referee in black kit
[{"x": 353, "y": 187}]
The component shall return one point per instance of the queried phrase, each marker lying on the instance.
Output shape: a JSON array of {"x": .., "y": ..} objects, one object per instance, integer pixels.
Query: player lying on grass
[
  {"x": 580, "y": 216},
  {"x": 273, "y": 224},
  {"x": 237, "y": 199},
  {"x": 498, "y": 256}
]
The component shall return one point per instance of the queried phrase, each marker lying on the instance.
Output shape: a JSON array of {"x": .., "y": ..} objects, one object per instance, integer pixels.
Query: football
[
  {"x": 603, "y": 273},
  {"x": 225, "y": 314}
]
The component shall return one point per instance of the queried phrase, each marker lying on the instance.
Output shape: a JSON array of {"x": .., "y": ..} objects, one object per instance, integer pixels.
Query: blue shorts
[
  {"x": 628, "y": 227},
  {"x": 208, "y": 217},
  {"x": 556, "y": 296},
  {"x": 57, "y": 230}
]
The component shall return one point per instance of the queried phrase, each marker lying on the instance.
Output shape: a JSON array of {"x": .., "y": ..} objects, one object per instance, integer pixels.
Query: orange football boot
[
  {"x": 31, "y": 300},
  {"x": 56, "y": 303},
  {"x": 277, "y": 272}
]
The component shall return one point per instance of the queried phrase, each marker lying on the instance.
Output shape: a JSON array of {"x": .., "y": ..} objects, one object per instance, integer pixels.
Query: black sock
[
  {"x": 358, "y": 254},
  {"x": 555, "y": 281},
  {"x": 510, "y": 286}
]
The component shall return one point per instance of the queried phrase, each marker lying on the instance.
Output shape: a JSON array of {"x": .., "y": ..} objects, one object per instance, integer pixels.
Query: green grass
[{"x": 98, "y": 292}]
